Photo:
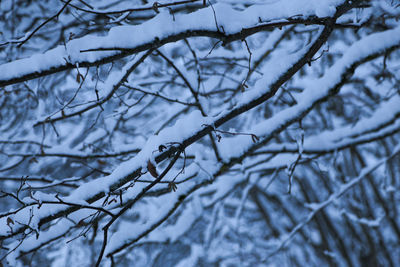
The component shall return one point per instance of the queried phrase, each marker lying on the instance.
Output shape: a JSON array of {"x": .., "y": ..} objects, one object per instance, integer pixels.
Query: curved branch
[{"x": 58, "y": 55}]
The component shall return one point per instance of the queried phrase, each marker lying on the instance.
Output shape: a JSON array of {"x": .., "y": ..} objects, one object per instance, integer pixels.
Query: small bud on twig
[{"x": 152, "y": 169}]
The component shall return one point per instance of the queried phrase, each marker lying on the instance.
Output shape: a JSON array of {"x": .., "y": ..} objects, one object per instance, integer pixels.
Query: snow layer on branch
[
  {"x": 316, "y": 90},
  {"x": 386, "y": 113},
  {"x": 183, "y": 129},
  {"x": 163, "y": 25},
  {"x": 365, "y": 129}
]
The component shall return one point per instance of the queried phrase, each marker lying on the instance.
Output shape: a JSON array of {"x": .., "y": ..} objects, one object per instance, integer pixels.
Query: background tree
[{"x": 199, "y": 133}]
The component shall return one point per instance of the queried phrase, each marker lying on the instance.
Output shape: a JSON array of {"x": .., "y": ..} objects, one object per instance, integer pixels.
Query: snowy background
[{"x": 199, "y": 133}]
